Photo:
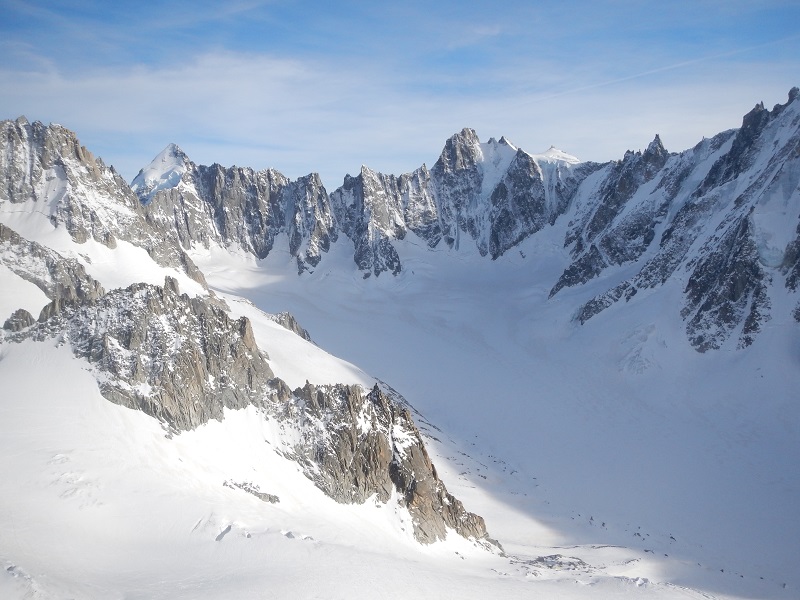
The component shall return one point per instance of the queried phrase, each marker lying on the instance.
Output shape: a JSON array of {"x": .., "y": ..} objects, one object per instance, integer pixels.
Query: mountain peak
[
  {"x": 656, "y": 147},
  {"x": 553, "y": 154},
  {"x": 462, "y": 150},
  {"x": 163, "y": 172}
]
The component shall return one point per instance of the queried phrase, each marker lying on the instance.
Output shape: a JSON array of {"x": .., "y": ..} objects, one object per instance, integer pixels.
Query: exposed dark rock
[
  {"x": 743, "y": 149},
  {"x": 589, "y": 265},
  {"x": 603, "y": 226},
  {"x": 710, "y": 229},
  {"x": 253, "y": 490},
  {"x": 20, "y": 319},
  {"x": 179, "y": 359},
  {"x": 48, "y": 166},
  {"x": 241, "y": 208},
  {"x": 355, "y": 446},
  {"x": 727, "y": 288},
  {"x": 61, "y": 279},
  {"x": 368, "y": 211},
  {"x": 288, "y": 321}
]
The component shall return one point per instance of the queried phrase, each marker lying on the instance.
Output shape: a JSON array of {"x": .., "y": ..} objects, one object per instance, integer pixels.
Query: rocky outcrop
[
  {"x": 20, "y": 319},
  {"x": 63, "y": 280},
  {"x": 369, "y": 213},
  {"x": 236, "y": 207},
  {"x": 357, "y": 445},
  {"x": 179, "y": 359},
  {"x": 253, "y": 490},
  {"x": 288, "y": 321},
  {"x": 727, "y": 290},
  {"x": 183, "y": 361},
  {"x": 46, "y": 168}
]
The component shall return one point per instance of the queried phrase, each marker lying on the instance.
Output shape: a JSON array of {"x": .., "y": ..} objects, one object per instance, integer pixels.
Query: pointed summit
[
  {"x": 656, "y": 148},
  {"x": 462, "y": 150},
  {"x": 163, "y": 172}
]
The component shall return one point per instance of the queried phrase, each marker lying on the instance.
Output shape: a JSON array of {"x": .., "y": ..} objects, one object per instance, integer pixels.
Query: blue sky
[{"x": 329, "y": 86}]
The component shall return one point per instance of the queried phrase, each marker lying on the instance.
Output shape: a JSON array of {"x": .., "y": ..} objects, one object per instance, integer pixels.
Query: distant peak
[
  {"x": 656, "y": 147},
  {"x": 460, "y": 151},
  {"x": 171, "y": 151},
  {"x": 163, "y": 172},
  {"x": 502, "y": 142},
  {"x": 465, "y": 137},
  {"x": 553, "y": 154}
]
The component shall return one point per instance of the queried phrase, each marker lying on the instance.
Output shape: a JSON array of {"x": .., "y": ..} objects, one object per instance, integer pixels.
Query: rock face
[
  {"x": 492, "y": 194},
  {"x": 183, "y": 361},
  {"x": 179, "y": 359},
  {"x": 727, "y": 214},
  {"x": 600, "y": 235},
  {"x": 62, "y": 280},
  {"x": 355, "y": 446},
  {"x": 727, "y": 289},
  {"x": 236, "y": 207},
  {"x": 20, "y": 319},
  {"x": 288, "y": 321},
  {"x": 46, "y": 168}
]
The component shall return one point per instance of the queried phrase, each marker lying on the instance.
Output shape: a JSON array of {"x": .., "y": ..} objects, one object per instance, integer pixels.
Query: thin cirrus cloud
[{"x": 268, "y": 84}]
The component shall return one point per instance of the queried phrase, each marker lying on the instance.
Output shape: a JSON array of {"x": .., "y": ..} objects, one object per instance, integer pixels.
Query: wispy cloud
[{"x": 255, "y": 85}]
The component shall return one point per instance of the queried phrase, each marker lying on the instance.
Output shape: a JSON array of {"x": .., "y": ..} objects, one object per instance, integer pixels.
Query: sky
[{"x": 329, "y": 86}]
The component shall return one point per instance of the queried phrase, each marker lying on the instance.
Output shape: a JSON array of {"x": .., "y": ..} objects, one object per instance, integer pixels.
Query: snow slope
[
  {"x": 98, "y": 501},
  {"x": 610, "y": 459},
  {"x": 612, "y": 433}
]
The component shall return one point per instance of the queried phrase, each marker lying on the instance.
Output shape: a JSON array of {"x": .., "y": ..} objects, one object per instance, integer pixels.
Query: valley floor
[{"x": 607, "y": 465}]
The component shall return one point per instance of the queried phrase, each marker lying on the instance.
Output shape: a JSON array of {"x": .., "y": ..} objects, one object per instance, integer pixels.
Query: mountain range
[{"x": 607, "y": 351}]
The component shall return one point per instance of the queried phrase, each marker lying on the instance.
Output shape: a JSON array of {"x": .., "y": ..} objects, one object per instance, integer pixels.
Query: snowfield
[
  {"x": 614, "y": 433},
  {"x": 608, "y": 465},
  {"x": 610, "y": 459}
]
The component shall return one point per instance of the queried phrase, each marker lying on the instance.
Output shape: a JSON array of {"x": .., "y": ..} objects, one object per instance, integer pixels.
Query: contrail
[{"x": 672, "y": 67}]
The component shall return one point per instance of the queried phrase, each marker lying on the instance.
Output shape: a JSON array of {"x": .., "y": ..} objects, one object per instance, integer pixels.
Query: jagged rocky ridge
[
  {"x": 236, "y": 207},
  {"x": 183, "y": 361},
  {"x": 45, "y": 170},
  {"x": 697, "y": 215},
  {"x": 723, "y": 210},
  {"x": 493, "y": 193},
  {"x": 722, "y": 217}
]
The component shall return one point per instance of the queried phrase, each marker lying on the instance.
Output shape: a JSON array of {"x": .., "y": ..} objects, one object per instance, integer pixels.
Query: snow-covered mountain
[
  {"x": 598, "y": 359},
  {"x": 715, "y": 212}
]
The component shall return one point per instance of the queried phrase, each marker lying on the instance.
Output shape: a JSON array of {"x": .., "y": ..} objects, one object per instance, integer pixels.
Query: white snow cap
[
  {"x": 554, "y": 154},
  {"x": 163, "y": 172}
]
